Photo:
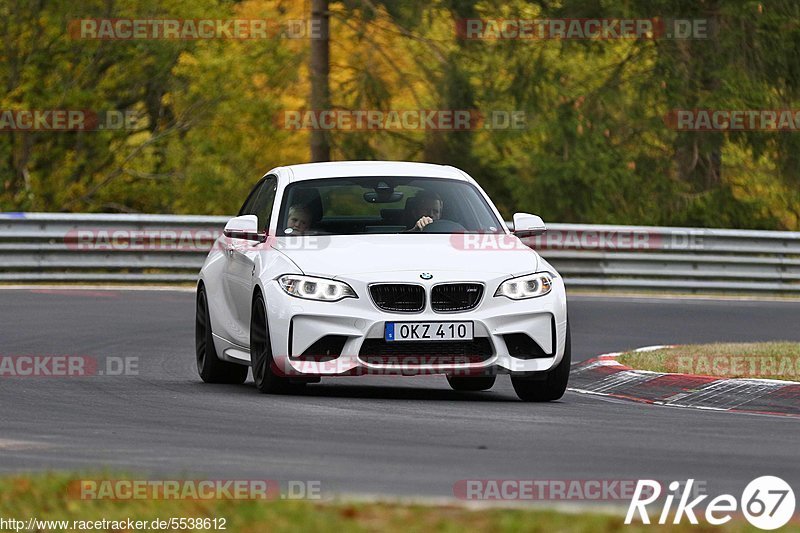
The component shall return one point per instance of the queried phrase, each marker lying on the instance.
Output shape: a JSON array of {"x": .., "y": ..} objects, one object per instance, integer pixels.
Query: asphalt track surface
[{"x": 407, "y": 436}]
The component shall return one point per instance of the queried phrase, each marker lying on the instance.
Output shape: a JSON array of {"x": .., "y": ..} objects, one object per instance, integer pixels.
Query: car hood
[{"x": 345, "y": 255}]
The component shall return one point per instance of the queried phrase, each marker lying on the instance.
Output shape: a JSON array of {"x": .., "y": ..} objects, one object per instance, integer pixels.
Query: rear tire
[
  {"x": 552, "y": 387},
  {"x": 265, "y": 372},
  {"x": 471, "y": 384},
  {"x": 209, "y": 366}
]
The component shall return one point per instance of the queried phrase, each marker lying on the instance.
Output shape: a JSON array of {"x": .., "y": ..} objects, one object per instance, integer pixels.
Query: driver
[{"x": 427, "y": 209}]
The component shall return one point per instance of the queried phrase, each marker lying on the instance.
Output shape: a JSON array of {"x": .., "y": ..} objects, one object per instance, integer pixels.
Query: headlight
[
  {"x": 528, "y": 286},
  {"x": 310, "y": 288}
]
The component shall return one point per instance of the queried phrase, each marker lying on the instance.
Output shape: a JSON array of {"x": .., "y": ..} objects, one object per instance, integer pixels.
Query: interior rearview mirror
[{"x": 383, "y": 197}]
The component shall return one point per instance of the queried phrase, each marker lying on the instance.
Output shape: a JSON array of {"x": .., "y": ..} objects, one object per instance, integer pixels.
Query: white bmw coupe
[{"x": 385, "y": 268}]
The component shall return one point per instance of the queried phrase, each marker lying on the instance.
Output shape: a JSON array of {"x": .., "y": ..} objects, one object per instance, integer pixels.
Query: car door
[
  {"x": 241, "y": 256},
  {"x": 221, "y": 289}
]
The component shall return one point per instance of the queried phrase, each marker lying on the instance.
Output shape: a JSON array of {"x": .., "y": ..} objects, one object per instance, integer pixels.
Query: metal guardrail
[
  {"x": 61, "y": 247},
  {"x": 55, "y": 247}
]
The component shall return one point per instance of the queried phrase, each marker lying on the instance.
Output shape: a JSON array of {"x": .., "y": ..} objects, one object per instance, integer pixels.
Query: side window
[
  {"x": 247, "y": 206},
  {"x": 262, "y": 207}
]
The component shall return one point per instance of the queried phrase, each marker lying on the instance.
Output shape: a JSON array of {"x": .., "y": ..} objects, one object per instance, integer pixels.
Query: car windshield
[{"x": 354, "y": 206}]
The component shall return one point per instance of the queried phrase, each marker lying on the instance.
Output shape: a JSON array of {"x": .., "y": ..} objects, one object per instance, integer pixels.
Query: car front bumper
[{"x": 296, "y": 324}]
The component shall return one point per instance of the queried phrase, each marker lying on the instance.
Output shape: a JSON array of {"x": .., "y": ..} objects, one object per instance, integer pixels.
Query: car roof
[{"x": 340, "y": 169}]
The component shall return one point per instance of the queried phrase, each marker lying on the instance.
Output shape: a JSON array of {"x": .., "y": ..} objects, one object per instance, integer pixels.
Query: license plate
[{"x": 428, "y": 331}]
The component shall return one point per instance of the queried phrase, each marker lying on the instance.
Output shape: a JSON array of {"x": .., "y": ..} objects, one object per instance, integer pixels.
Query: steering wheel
[{"x": 443, "y": 226}]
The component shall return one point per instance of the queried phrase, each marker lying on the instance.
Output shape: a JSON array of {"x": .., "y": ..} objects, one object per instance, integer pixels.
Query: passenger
[{"x": 298, "y": 220}]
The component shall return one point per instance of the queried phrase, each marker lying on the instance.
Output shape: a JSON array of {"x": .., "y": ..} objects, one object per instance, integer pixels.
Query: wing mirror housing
[
  {"x": 526, "y": 225},
  {"x": 244, "y": 227}
]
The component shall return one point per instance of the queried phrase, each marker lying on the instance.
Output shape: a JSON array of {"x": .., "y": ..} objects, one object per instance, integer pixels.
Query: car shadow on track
[
  {"x": 383, "y": 392},
  {"x": 501, "y": 393},
  {"x": 373, "y": 392}
]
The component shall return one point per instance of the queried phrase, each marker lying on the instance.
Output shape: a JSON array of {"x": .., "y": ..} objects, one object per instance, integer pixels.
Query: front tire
[
  {"x": 209, "y": 366},
  {"x": 554, "y": 384},
  {"x": 265, "y": 372},
  {"x": 471, "y": 384}
]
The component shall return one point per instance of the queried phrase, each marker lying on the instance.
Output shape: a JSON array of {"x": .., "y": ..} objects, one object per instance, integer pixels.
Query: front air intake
[{"x": 327, "y": 348}]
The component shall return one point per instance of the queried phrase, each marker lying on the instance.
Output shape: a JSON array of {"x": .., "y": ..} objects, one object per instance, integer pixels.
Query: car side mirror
[
  {"x": 526, "y": 225},
  {"x": 244, "y": 227}
]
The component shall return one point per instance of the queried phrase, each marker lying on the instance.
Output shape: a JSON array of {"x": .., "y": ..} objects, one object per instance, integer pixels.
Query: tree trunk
[
  {"x": 699, "y": 154},
  {"x": 319, "y": 70}
]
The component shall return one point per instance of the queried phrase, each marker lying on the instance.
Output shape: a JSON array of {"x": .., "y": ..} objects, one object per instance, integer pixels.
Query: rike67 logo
[{"x": 767, "y": 503}]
